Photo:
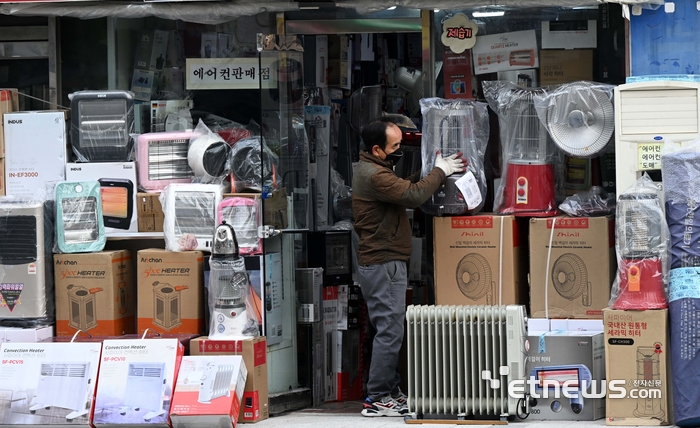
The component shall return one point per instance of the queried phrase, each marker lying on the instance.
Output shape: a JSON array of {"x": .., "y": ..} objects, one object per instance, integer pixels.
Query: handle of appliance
[
  {"x": 95, "y": 290},
  {"x": 77, "y": 333},
  {"x": 181, "y": 287},
  {"x": 268, "y": 231},
  {"x": 146, "y": 332}
]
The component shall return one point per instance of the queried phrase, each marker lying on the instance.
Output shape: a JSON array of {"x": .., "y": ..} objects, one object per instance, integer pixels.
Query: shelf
[{"x": 134, "y": 235}]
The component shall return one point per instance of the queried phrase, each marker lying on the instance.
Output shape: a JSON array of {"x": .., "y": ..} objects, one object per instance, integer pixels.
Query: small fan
[
  {"x": 570, "y": 278},
  {"x": 474, "y": 277},
  {"x": 580, "y": 118}
]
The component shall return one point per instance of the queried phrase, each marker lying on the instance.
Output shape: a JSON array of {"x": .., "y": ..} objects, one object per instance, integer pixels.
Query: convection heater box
[
  {"x": 647, "y": 114},
  {"x": 162, "y": 159},
  {"x": 25, "y": 260},
  {"x": 79, "y": 222},
  {"x": 101, "y": 125},
  {"x": 190, "y": 209},
  {"x": 167, "y": 302},
  {"x": 81, "y": 309}
]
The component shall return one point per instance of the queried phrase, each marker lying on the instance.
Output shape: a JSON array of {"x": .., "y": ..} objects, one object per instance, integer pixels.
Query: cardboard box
[
  {"x": 118, "y": 190},
  {"x": 255, "y": 406},
  {"x": 470, "y": 248},
  {"x": 8, "y": 103},
  {"x": 161, "y": 109},
  {"x": 569, "y": 34},
  {"x": 170, "y": 288},
  {"x": 641, "y": 337},
  {"x": 208, "y": 392},
  {"x": 563, "y": 66},
  {"x": 149, "y": 210},
  {"x": 209, "y": 45},
  {"x": 505, "y": 51},
  {"x": 25, "y": 335},
  {"x": 135, "y": 375},
  {"x": 310, "y": 356},
  {"x": 2, "y": 177},
  {"x": 33, "y": 372},
  {"x": 330, "y": 342},
  {"x": 582, "y": 266},
  {"x": 350, "y": 369},
  {"x": 95, "y": 293},
  {"x": 275, "y": 207},
  {"x": 567, "y": 356},
  {"x": 35, "y": 150},
  {"x": 151, "y": 50},
  {"x": 309, "y": 290}
]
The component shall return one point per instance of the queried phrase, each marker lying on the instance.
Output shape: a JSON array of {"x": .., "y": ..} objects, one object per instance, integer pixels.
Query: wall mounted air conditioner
[
  {"x": 101, "y": 125},
  {"x": 81, "y": 309},
  {"x": 65, "y": 385},
  {"x": 167, "y": 305},
  {"x": 162, "y": 159},
  {"x": 215, "y": 382},
  {"x": 646, "y": 115},
  {"x": 25, "y": 260},
  {"x": 145, "y": 389},
  {"x": 244, "y": 215},
  {"x": 79, "y": 222},
  {"x": 190, "y": 209}
]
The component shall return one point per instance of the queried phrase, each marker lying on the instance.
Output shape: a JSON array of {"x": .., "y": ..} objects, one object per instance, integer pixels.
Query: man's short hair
[{"x": 374, "y": 133}]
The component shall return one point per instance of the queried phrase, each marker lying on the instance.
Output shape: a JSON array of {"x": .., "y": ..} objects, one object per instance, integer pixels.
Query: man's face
[{"x": 393, "y": 142}]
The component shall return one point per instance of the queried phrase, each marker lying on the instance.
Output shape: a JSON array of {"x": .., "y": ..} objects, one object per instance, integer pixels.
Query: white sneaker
[{"x": 387, "y": 406}]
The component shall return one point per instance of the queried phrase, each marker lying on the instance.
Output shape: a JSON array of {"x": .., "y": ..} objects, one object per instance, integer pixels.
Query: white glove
[{"x": 450, "y": 164}]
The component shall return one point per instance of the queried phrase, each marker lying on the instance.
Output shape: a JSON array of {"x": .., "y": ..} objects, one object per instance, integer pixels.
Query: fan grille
[
  {"x": 474, "y": 276},
  {"x": 569, "y": 276}
]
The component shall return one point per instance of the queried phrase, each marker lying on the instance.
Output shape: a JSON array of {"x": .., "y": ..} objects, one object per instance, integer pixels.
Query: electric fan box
[
  {"x": 582, "y": 266},
  {"x": 568, "y": 360},
  {"x": 150, "y": 214},
  {"x": 35, "y": 151},
  {"x": 468, "y": 254},
  {"x": 255, "y": 406},
  {"x": 170, "y": 287},
  {"x": 208, "y": 392},
  {"x": 48, "y": 383},
  {"x": 637, "y": 355},
  {"x": 137, "y": 379},
  {"x": 117, "y": 188},
  {"x": 95, "y": 292}
]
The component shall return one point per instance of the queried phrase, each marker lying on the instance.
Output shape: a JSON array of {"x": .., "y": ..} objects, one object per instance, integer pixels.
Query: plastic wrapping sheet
[
  {"x": 532, "y": 173},
  {"x": 590, "y": 203},
  {"x": 190, "y": 215},
  {"x": 579, "y": 116},
  {"x": 253, "y": 166},
  {"x": 102, "y": 123},
  {"x": 26, "y": 262},
  {"x": 451, "y": 127},
  {"x": 79, "y": 221},
  {"x": 233, "y": 313},
  {"x": 245, "y": 216},
  {"x": 641, "y": 245},
  {"x": 208, "y": 156},
  {"x": 342, "y": 197},
  {"x": 161, "y": 159}
]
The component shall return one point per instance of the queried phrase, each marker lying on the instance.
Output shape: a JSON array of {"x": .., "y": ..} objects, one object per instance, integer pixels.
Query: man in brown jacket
[{"x": 379, "y": 204}]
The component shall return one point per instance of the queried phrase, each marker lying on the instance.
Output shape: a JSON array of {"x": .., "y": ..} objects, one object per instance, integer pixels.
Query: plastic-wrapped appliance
[
  {"x": 245, "y": 216},
  {"x": 189, "y": 215},
  {"x": 162, "y": 159},
  {"x": 79, "y": 222}
]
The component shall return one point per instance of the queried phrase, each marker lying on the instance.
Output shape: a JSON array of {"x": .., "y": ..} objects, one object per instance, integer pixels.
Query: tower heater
[
  {"x": 79, "y": 222},
  {"x": 25, "y": 259},
  {"x": 65, "y": 385},
  {"x": 101, "y": 125},
  {"x": 243, "y": 214},
  {"x": 162, "y": 159},
  {"x": 82, "y": 307},
  {"x": 215, "y": 382},
  {"x": 167, "y": 305},
  {"x": 145, "y": 389}
]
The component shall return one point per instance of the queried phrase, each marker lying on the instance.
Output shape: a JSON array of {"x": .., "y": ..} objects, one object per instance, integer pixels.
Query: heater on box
[
  {"x": 215, "y": 382},
  {"x": 243, "y": 214},
  {"x": 81, "y": 309},
  {"x": 162, "y": 159},
  {"x": 145, "y": 389},
  {"x": 167, "y": 305},
  {"x": 25, "y": 259},
  {"x": 79, "y": 222},
  {"x": 190, "y": 215},
  {"x": 101, "y": 125},
  {"x": 117, "y": 196},
  {"x": 66, "y": 385}
]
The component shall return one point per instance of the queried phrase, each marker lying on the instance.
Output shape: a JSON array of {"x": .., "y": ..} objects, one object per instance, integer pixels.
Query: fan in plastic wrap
[
  {"x": 580, "y": 118},
  {"x": 570, "y": 278},
  {"x": 246, "y": 157},
  {"x": 474, "y": 277}
]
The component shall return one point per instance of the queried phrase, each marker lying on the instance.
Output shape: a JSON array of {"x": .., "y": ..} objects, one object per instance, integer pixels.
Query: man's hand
[{"x": 450, "y": 164}]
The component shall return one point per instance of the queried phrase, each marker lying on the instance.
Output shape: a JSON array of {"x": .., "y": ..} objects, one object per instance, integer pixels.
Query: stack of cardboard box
[{"x": 8, "y": 103}]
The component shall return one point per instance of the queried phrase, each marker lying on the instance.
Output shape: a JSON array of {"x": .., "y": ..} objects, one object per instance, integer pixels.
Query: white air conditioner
[
  {"x": 215, "y": 382},
  {"x": 190, "y": 209},
  {"x": 66, "y": 385},
  {"x": 646, "y": 115},
  {"x": 25, "y": 249},
  {"x": 145, "y": 389}
]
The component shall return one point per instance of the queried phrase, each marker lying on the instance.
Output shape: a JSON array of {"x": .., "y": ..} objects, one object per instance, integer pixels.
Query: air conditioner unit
[
  {"x": 646, "y": 115},
  {"x": 162, "y": 159},
  {"x": 145, "y": 389},
  {"x": 25, "y": 260},
  {"x": 215, "y": 382},
  {"x": 81, "y": 309},
  {"x": 101, "y": 125},
  {"x": 79, "y": 222},
  {"x": 243, "y": 214},
  {"x": 167, "y": 305},
  {"x": 66, "y": 385},
  {"x": 190, "y": 209}
]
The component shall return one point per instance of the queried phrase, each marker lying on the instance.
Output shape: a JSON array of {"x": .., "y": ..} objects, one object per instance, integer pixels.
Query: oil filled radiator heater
[
  {"x": 145, "y": 389},
  {"x": 65, "y": 385},
  {"x": 461, "y": 358},
  {"x": 215, "y": 382}
]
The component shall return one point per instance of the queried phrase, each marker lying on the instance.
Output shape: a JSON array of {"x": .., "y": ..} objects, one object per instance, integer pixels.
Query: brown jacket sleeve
[{"x": 395, "y": 190}]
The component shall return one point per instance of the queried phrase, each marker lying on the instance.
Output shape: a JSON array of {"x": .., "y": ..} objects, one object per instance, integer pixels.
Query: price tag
[{"x": 649, "y": 156}]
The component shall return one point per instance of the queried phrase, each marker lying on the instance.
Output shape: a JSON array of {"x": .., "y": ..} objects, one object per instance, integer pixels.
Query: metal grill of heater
[
  {"x": 195, "y": 213},
  {"x": 167, "y": 306},
  {"x": 81, "y": 309},
  {"x": 529, "y": 141},
  {"x": 80, "y": 220},
  {"x": 641, "y": 232},
  {"x": 167, "y": 159}
]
